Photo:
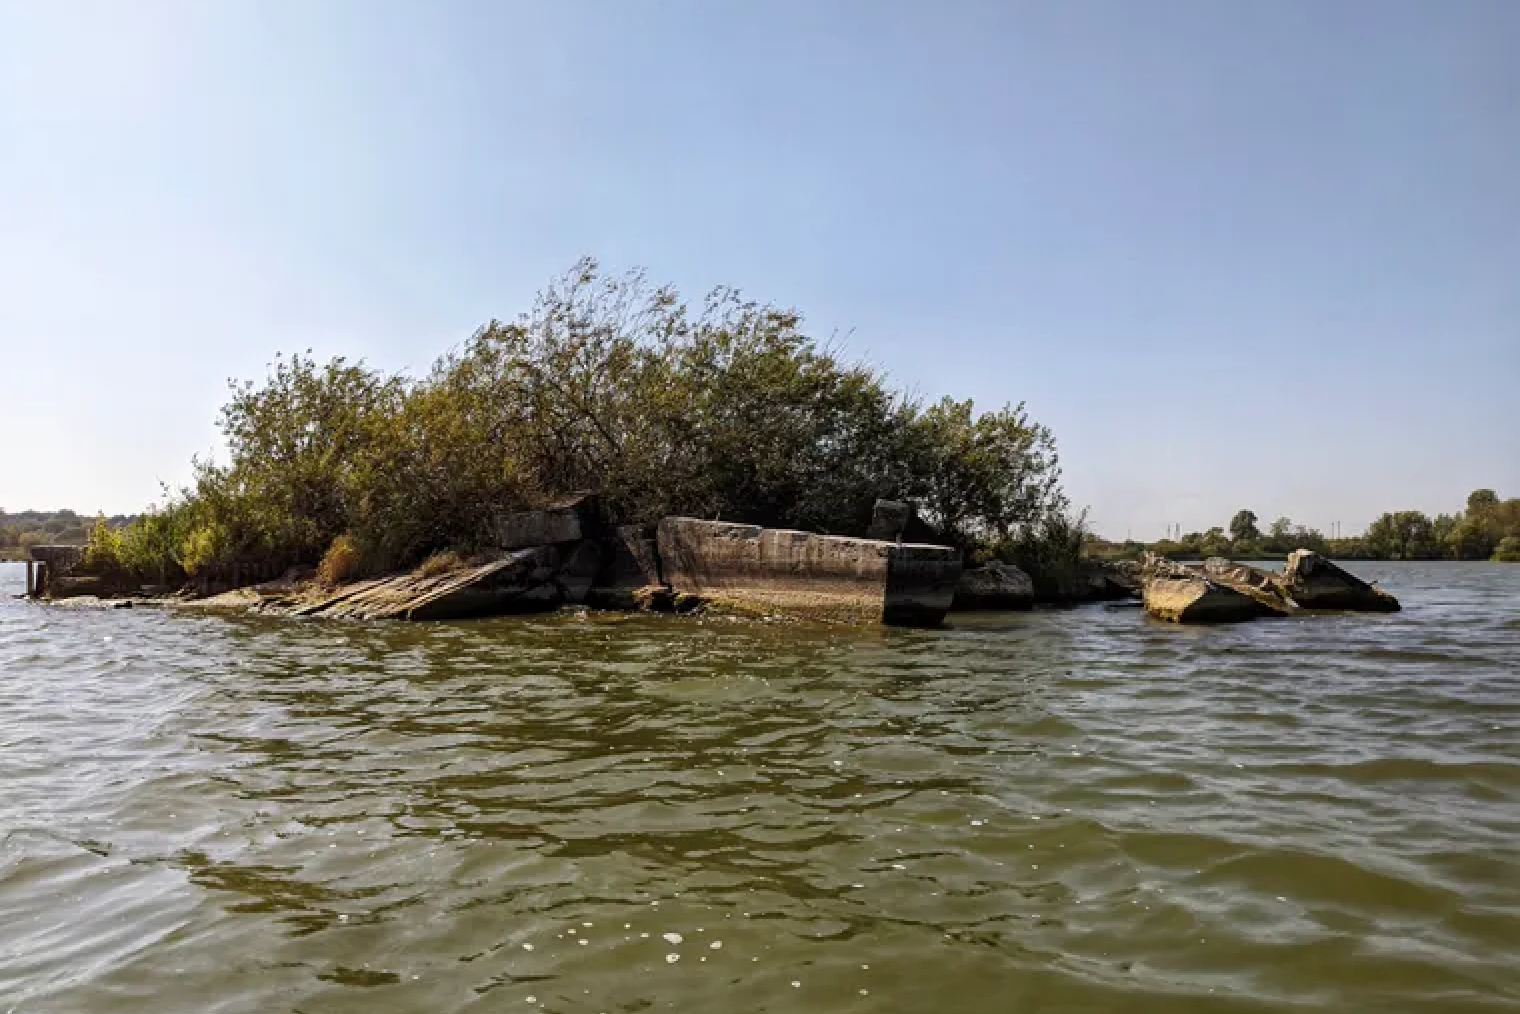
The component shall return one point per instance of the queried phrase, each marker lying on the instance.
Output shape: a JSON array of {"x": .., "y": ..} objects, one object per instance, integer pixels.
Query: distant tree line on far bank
[
  {"x": 1487, "y": 529},
  {"x": 20, "y": 530}
]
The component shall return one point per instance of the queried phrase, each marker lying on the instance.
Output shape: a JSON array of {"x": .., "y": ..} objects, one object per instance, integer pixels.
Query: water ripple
[{"x": 1062, "y": 810}]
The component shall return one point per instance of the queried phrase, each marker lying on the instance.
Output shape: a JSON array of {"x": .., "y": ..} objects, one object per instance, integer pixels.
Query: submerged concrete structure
[
  {"x": 1194, "y": 598},
  {"x": 804, "y": 574},
  {"x": 520, "y": 581},
  {"x": 993, "y": 586},
  {"x": 48, "y": 568},
  {"x": 1315, "y": 583}
]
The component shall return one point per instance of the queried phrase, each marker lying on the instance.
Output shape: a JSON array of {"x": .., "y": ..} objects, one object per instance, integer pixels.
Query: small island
[{"x": 618, "y": 447}]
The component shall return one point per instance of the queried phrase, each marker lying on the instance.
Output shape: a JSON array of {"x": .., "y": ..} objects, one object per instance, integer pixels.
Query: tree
[
  {"x": 1243, "y": 527},
  {"x": 1480, "y": 501},
  {"x": 1213, "y": 543},
  {"x": 726, "y": 410},
  {"x": 1508, "y": 550},
  {"x": 1469, "y": 539},
  {"x": 983, "y": 477},
  {"x": 1403, "y": 535}
]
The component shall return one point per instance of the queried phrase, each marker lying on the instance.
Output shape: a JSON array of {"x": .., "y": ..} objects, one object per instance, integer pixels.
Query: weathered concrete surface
[
  {"x": 1315, "y": 583},
  {"x": 55, "y": 577},
  {"x": 629, "y": 576},
  {"x": 524, "y": 580},
  {"x": 569, "y": 520},
  {"x": 804, "y": 574},
  {"x": 1193, "y": 598},
  {"x": 578, "y": 566},
  {"x": 994, "y": 585},
  {"x": 1261, "y": 585},
  {"x": 65, "y": 586}
]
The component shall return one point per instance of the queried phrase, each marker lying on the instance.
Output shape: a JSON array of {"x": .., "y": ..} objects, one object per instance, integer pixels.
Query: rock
[
  {"x": 1194, "y": 598},
  {"x": 1255, "y": 585},
  {"x": 1154, "y": 565},
  {"x": 569, "y": 520},
  {"x": 831, "y": 577},
  {"x": 1261, "y": 585},
  {"x": 994, "y": 585},
  {"x": 898, "y": 521},
  {"x": 1315, "y": 583}
]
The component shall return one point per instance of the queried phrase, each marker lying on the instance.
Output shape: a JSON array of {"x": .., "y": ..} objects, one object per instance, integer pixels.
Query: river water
[{"x": 1061, "y": 811}]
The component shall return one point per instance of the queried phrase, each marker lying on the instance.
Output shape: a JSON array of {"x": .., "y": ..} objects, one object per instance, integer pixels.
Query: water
[{"x": 1060, "y": 811}]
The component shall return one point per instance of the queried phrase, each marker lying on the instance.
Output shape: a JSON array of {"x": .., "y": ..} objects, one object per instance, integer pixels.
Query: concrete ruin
[
  {"x": 809, "y": 575},
  {"x": 51, "y": 568},
  {"x": 571, "y": 519}
]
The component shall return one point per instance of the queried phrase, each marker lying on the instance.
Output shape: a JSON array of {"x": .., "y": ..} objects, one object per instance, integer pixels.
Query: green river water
[{"x": 1077, "y": 810}]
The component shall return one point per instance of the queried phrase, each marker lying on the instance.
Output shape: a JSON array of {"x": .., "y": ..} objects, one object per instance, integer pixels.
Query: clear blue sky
[{"x": 1235, "y": 254}]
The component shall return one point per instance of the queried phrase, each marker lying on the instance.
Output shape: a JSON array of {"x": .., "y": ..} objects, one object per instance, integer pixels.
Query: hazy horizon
[{"x": 1259, "y": 257}]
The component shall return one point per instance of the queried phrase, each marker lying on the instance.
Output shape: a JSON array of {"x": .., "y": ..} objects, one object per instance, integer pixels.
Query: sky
[{"x": 1235, "y": 255}]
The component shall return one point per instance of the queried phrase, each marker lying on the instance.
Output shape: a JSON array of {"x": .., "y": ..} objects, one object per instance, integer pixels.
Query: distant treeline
[
  {"x": 727, "y": 409},
  {"x": 1488, "y": 529},
  {"x": 22, "y": 530}
]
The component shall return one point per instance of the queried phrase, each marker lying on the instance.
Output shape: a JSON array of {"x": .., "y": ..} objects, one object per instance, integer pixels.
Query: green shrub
[
  {"x": 341, "y": 563},
  {"x": 102, "y": 550},
  {"x": 1050, "y": 552}
]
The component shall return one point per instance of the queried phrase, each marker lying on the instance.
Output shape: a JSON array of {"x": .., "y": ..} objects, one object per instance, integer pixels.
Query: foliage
[
  {"x": 341, "y": 563},
  {"x": 102, "y": 551},
  {"x": 438, "y": 564},
  {"x": 1243, "y": 527},
  {"x": 1508, "y": 549},
  {"x": 729, "y": 409},
  {"x": 988, "y": 479},
  {"x": 1050, "y": 553},
  {"x": 1477, "y": 533},
  {"x": 1402, "y": 535},
  {"x": 21, "y": 530}
]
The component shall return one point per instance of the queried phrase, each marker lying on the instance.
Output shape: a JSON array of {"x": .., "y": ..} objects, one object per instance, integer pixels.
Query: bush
[
  {"x": 340, "y": 564},
  {"x": 1050, "y": 552},
  {"x": 442, "y": 563},
  {"x": 726, "y": 410},
  {"x": 1508, "y": 550},
  {"x": 102, "y": 550}
]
